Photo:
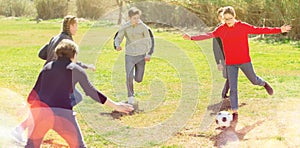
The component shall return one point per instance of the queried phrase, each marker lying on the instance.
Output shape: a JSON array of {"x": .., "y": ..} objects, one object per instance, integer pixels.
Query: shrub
[
  {"x": 17, "y": 8},
  {"x": 92, "y": 9},
  {"x": 49, "y": 9}
]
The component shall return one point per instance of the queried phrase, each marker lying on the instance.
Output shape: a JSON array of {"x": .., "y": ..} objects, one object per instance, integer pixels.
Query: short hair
[
  {"x": 220, "y": 10},
  {"x": 68, "y": 20},
  {"x": 229, "y": 10},
  {"x": 134, "y": 11},
  {"x": 66, "y": 48}
]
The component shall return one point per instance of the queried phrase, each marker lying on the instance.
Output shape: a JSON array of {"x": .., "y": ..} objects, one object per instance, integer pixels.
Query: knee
[{"x": 138, "y": 80}]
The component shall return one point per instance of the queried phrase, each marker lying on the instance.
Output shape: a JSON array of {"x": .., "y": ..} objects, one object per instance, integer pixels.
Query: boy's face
[
  {"x": 74, "y": 28},
  {"x": 135, "y": 19},
  {"x": 220, "y": 18},
  {"x": 229, "y": 19}
]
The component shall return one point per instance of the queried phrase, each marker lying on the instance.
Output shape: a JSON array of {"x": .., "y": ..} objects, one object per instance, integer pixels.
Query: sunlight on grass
[{"x": 166, "y": 77}]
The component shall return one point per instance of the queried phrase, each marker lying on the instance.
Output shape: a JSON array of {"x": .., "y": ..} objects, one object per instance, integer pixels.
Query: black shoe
[
  {"x": 235, "y": 118},
  {"x": 268, "y": 88}
]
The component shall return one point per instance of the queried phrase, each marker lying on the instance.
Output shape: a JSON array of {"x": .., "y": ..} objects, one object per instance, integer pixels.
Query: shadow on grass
[
  {"x": 231, "y": 137},
  {"x": 221, "y": 106},
  {"x": 117, "y": 115}
]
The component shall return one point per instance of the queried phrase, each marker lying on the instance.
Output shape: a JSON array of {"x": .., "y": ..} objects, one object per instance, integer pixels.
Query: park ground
[{"x": 265, "y": 121}]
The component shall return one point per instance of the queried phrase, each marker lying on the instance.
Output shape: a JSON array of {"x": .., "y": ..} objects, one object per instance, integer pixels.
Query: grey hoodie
[{"x": 138, "y": 39}]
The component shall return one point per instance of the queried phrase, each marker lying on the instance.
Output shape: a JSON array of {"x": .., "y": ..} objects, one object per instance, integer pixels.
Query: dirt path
[
  {"x": 12, "y": 111},
  {"x": 276, "y": 125}
]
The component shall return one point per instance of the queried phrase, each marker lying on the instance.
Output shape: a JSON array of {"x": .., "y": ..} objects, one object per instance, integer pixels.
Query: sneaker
[
  {"x": 131, "y": 100},
  {"x": 17, "y": 134},
  {"x": 268, "y": 88},
  {"x": 225, "y": 96},
  {"x": 235, "y": 118}
]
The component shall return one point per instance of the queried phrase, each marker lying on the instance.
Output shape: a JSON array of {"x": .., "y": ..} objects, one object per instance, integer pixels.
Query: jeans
[
  {"x": 248, "y": 70},
  {"x": 62, "y": 121},
  {"x": 135, "y": 67}
]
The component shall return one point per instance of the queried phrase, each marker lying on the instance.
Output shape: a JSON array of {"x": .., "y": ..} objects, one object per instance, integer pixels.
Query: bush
[
  {"x": 92, "y": 9},
  {"x": 17, "y": 8},
  {"x": 49, "y": 9}
]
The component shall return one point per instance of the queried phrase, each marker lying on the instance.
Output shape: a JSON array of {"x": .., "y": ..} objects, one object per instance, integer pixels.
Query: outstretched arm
[
  {"x": 80, "y": 76},
  {"x": 199, "y": 37},
  {"x": 266, "y": 30}
]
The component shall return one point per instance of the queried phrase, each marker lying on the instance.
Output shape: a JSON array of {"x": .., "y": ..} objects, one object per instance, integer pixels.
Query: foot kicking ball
[{"x": 223, "y": 119}]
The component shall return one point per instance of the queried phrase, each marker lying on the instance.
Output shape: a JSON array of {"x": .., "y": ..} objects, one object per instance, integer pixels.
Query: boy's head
[
  {"x": 70, "y": 25},
  {"x": 220, "y": 14},
  {"x": 66, "y": 48},
  {"x": 134, "y": 15}
]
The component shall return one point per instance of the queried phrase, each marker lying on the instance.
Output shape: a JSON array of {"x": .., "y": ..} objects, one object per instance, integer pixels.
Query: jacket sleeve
[
  {"x": 119, "y": 36},
  {"x": 261, "y": 30},
  {"x": 44, "y": 50},
  {"x": 217, "y": 48},
  {"x": 82, "y": 65},
  {"x": 79, "y": 75},
  {"x": 203, "y": 36},
  {"x": 115, "y": 46},
  {"x": 151, "y": 42}
]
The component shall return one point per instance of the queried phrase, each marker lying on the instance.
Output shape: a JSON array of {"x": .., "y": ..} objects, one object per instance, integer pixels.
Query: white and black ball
[{"x": 223, "y": 119}]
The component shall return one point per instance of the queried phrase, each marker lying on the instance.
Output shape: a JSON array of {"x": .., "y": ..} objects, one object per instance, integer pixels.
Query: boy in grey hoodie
[{"x": 139, "y": 48}]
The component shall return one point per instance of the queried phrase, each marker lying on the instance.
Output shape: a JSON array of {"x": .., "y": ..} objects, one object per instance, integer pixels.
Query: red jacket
[{"x": 235, "y": 40}]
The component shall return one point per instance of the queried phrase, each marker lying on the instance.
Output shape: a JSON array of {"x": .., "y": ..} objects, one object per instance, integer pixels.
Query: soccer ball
[{"x": 223, "y": 119}]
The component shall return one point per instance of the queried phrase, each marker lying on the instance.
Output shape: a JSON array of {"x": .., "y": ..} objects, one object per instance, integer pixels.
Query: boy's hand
[
  {"x": 119, "y": 48},
  {"x": 147, "y": 58},
  {"x": 220, "y": 67},
  {"x": 186, "y": 37},
  {"x": 285, "y": 28},
  {"x": 124, "y": 107},
  {"x": 92, "y": 67}
]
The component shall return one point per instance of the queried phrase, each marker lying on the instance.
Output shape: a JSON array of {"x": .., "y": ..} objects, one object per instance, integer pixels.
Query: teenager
[
  {"x": 234, "y": 36},
  {"x": 219, "y": 56},
  {"x": 138, "y": 50},
  {"x": 69, "y": 29},
  {"x": 50, "y": 98}
]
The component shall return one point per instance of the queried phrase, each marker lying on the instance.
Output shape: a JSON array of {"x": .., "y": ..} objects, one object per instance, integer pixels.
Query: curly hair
[{"x": 66, "y": 48}]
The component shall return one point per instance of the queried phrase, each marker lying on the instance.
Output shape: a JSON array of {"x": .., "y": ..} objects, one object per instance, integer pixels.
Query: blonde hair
[
  {"x": 68, "y": 20},
  {"x": 229, "y": 10},
  {"x": 220, "y": 10},
  {"x": 66, "y": 48}
]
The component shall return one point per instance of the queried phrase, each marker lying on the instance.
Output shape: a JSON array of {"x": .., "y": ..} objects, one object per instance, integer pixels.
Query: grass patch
[{"x": 175, "y": 64}]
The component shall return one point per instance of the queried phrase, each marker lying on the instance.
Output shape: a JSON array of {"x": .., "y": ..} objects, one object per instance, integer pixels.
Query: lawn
[{"x": 180, "y": 81}]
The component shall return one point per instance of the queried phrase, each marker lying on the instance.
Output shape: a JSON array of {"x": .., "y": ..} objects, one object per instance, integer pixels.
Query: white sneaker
[
  {"x": 131, "y": 100},
  {"x": 17, "y": 134}
]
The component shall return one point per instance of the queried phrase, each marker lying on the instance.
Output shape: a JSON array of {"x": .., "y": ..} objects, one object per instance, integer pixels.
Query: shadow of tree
[{"x": 230, "y": 136}]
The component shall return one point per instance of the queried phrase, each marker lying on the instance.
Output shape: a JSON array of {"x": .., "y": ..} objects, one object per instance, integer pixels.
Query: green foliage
[
  {"x": 92, "y": 9},
  {"x": 49, "y": 9},
  {"x": 16, "y": 8},
  {"x": 271, "y": 13}
]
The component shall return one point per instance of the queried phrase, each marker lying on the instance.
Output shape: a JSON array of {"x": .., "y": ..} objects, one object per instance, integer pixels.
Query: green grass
[{"x": 178, "y": 68}]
